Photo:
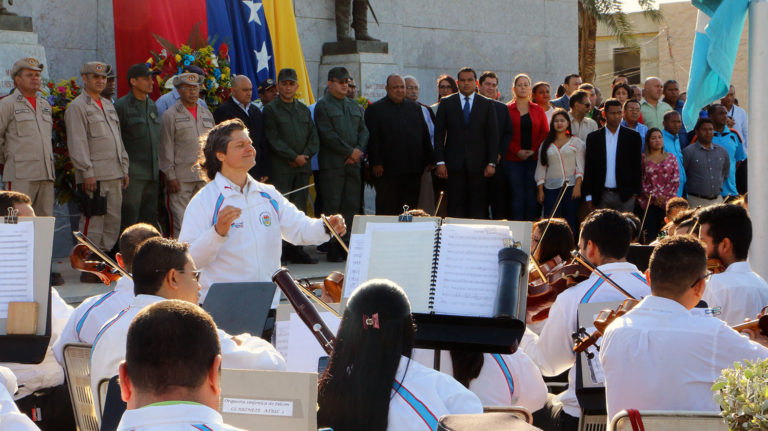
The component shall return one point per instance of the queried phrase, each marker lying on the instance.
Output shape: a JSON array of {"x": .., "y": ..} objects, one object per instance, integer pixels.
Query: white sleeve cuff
[{"x": 588, "y": 198}]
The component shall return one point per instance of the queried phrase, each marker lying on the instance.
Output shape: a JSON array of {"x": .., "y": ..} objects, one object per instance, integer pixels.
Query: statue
[
  {"x": 359, "y": 20},
  {"x": 4, "y": 11}
]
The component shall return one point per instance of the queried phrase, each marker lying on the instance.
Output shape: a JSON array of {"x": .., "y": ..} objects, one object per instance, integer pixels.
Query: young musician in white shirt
[
  {"x": 660, "y": 356},
  {"x": 163, "y": 269},
  {"x": 738, "y": 292},
  {"x": 92, "y": 313},
  {"x": 604, "y": 240},
  {"x": 371, "y": 383},
  {"x": 170, "y": 379}
]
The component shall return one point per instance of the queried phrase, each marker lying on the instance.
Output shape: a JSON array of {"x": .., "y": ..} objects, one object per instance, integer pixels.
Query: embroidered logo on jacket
[{"x": 266, "y": 219}]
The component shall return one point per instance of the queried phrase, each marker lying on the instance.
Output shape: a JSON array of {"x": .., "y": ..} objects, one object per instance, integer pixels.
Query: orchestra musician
[
  {"x": 10, "y": 417},
  {"x": 170, "y": 379},
  {"x": 660, "y": 356},
  {"x": 558, "y": 240},
  {"x": 739, "y": 292},
  {"x": 93, "y": 312},
  {"x": 163, "y": 269},
  {"x": 371, "y": 382},
  {"x": 235, "y": 225},
  {"x": 604, "y": 240}
]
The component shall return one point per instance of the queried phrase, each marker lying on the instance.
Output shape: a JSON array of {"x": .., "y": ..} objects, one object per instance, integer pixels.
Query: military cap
[
  {"x": 187, "y": 78},
  {"x": 287, "y": 75},
  {"x": 138, "y": 70},
  {"x": 194, "y": 69},
  {"x": 95, "y": 67},
  {"x": 265, "y": 85},
  {"x": 30, "y": 63},
  {"x": 111, "y": 72},
  {"x": 338, "y": 73}
]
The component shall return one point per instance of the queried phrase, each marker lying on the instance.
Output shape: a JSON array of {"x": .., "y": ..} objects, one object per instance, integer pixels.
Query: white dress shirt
[
  {"x": 504, "y": 380},
  {"x": 109, "y": 347},
  {"x": 425, "y": 112},
  {"x": 581, "y": 129},
  {"x": 11, "y": 419},
  {"x": 611, "y": 145},
  {"x": 552, "y": 351},
  {"x": 660, "y": 356},
  {"x": 48, "y": 373},
  {"x": 251, "y": 250},
  {"x": 562, "y": 163},
  {"x": 739, "y": 292},
  {"x": 91, "y": 314},
  {"x": 740, "y": 123},
  {"x": 424, "y": 396},
  {"x": 172, "y": 416}
]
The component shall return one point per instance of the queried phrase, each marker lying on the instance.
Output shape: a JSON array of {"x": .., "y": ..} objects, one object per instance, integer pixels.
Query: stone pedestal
[
  {"x": 369, "y": 63},
  {"x": 15, "y": 45}
]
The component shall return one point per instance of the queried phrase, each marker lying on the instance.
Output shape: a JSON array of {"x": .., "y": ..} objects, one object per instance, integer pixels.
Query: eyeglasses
[
  {"x": 352, "y": 86},
  {"x": 195, "y": 273},
  {"x": 704, "y": 277}
]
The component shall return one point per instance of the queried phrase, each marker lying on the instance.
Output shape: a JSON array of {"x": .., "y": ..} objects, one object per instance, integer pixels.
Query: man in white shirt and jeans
[
  {"x": 170, "y": 378},
  {"x": 738, "y": 292},
  {"x": 660, "y": 356}
]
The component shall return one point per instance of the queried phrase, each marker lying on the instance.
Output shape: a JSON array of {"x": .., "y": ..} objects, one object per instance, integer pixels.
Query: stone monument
[
  {"x": 17, "y": 40},
  {"x": 366, "y": 58}
]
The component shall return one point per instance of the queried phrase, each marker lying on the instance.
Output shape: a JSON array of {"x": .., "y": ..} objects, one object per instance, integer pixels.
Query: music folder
[
  {"x": 240, "y": 307},
  {"x": 269, "y": 400}
]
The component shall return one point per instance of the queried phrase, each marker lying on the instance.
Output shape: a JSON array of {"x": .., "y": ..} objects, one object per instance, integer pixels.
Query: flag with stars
[{"x": 241, "y": 24}]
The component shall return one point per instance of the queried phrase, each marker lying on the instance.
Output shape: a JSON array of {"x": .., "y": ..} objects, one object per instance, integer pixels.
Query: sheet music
[
  {"x": 403, "y": 253},
  {"x": 17, "y": 253},
  {"x": 357, "y": 262},
  {"x": 303, "y": 348},
  {"x": 468, "y": 269},
  {"x": 282, "y": 334}
]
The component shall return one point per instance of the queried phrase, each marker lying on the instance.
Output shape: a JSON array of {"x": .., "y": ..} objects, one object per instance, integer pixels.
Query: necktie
[{"x": 466, "y": 109}]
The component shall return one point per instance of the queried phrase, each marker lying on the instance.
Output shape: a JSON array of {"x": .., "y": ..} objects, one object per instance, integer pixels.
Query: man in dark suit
[
  {"x": 239, "y": 106},
  {"x": 466, "y": 147},
  {"x": 613, "y": 169},
  {"x": 498, "y": 190}
]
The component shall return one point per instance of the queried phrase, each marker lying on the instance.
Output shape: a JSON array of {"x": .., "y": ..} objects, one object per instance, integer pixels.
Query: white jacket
[
  {"x": 251, "y": 250},
  {"x": 170, "y": 416}
]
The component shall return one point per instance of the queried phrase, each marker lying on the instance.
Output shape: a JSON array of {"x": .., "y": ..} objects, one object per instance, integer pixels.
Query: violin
[
  {"x": 759, "y": 325},
  {"x": 107, "y": 270},
  {"x": 583, "y": 340},
  {"x": 559, "y": 276},
  {"x": 330, "y": 288},
  {"x": 715, "y": 265}
]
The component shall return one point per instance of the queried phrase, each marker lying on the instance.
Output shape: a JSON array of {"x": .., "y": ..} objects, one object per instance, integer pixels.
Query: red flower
[
  {"x": 50, "y": 85},
  {"x": 223, "y": 50}
]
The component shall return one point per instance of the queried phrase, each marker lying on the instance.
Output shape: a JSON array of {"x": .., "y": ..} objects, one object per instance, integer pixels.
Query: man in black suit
[
  {"x": 466, "y": 147},
  {"x": 239, "y": 106},
  {"x": 498, "y": 190},
  {"x": 613, "y": 169}
]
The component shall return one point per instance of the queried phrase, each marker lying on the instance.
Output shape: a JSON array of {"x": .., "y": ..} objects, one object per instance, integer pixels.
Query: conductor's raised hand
[
  {"x": 338, "y": 224},
  {"x": 226, "y": 216}
]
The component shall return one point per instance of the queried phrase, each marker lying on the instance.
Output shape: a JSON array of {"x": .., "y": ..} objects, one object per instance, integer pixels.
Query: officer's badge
[
  {"x": 32, "y": 62},
  {"x": 99, "y": 67},
  {"x": 265, "y": 218}
]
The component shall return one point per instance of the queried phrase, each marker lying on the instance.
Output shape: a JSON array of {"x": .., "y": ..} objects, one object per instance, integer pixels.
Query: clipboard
[
  {"x": 260, "y": 400},
  {"x": 240, "y": 307},
  {"x": 30, "y": 349}
]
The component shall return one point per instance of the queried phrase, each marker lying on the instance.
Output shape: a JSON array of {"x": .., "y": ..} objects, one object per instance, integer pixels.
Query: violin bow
[
  {"x": 645, "y": 213},
  {"x": 578, "y": 256},
  {"x": 538, "y": 268},
  {"x": 86, "y": 242},
  {"x": 549, "y": 220},
  {"x": 333, "y": 232}
]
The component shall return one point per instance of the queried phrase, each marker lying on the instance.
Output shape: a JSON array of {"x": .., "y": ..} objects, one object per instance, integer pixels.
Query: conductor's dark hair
[
  {"x": 170, "y": 344},
  {"x": 676, "y": 263},
  {"x": 609, "y": 230},
  {"x": 10, "y": 198},
  {"x": 728, "y": 221},
  {"x": 557, "y": 242},
  {"x": 154, "y": 259},
  {"x": 130, "y": 240},
  {"x": 216, "y": 141},
  {"x": 355, "y": 390}
]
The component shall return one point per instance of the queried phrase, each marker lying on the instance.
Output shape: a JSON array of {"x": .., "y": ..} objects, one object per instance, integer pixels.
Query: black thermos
[{"x": 512, "y": 262}]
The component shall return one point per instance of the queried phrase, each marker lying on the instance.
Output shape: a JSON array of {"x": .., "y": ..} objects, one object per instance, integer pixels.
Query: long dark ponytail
[{"x": 552, "y": 135}]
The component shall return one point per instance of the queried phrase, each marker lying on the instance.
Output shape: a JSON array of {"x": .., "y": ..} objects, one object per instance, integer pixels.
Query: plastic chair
[
  {"x": 77, "y": 366},
  {"x": 520, "y": 412},
  {"x": 670, "y": 420},
  {"x": 495, "y": 421}
]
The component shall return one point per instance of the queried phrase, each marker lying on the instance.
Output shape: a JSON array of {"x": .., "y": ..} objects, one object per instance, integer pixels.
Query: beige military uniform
[
  {"x": 96, "y": 150},
  {"x": 179, "y": 150},
  {"x": 27, "y": 151}
]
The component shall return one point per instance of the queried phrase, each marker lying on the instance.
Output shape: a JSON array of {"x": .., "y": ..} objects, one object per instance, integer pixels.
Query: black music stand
[{"x": 240, "y": 307}]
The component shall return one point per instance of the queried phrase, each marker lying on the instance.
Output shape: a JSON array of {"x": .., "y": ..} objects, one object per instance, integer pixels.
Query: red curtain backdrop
[{"x": 136, "y": 21}]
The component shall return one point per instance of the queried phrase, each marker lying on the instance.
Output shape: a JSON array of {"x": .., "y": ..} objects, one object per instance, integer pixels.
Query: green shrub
[{"x": 742, "y": 393}]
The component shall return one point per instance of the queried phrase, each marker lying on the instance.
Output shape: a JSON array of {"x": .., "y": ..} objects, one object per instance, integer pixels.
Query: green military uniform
[
  {"x": 141, "y": 137},
  {"x": 290, "y": 132},
  {"x": 341, "y": 129}
]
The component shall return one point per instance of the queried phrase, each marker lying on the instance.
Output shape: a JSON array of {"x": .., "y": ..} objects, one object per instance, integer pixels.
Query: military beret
[
  {"x": 30, "y": 63},
  {"x": 338, "y": 73},
  {"x": 138, "y": 70},
  {"x": 95, "y": 67},
  {"x": 187, "y": 78},
  {"x": 287, "y": 75},
  {"x": 265, "y": 85}
]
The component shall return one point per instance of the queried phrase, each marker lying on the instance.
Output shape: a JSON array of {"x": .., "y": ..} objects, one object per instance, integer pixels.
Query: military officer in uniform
[
  {"x": 97, "y": 152},
  {"x": 293, "y": 139},
  {"x": 25, "y": 138},
  {"x": 343, "y": 139},
  {"x": 181, "y": 127},
  {"x": 141, "y": 138}
]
